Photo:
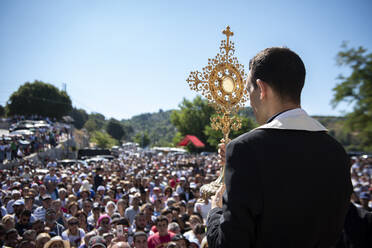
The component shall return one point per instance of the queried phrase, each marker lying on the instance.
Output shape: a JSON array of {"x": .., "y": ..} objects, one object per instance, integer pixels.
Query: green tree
[
  {"x": 356, "y": 89},
  {"x": 99, "y": 119},
  {"x": 192, "y": 118},
  {"x": 95, "y": 122},
  {"x": 142, "y": 139},
  {"x": 128, "y": 131},
  {"x": 2, "y": 111},
  {"x": 115, "y": 129},
  {"x": 91, "y": 125},
  {"x": 39, "y": 98},
  {"x": 80, "y": 116},
  {"x": 103, "y": 140}
]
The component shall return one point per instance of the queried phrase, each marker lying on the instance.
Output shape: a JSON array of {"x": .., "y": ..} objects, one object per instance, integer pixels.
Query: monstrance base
[{"x": 210, "y": 189}]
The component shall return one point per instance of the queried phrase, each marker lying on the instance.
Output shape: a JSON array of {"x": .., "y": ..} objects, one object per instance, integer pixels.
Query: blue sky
[{"x": 123, "y": 58}]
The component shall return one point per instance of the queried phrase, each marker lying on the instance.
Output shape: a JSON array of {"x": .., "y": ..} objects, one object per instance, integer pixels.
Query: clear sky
[{"x": 122, "y": 58}]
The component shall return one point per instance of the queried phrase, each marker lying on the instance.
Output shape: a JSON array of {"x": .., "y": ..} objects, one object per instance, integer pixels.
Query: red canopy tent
[{"x": 193, "y": 139}]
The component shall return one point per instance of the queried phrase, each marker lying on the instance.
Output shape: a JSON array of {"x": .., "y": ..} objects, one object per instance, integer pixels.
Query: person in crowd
[
  {"x": 18, "y": 207},
  {"x": 110, "y": 208},
  {"x": 83, "y": 222},
  {"x": 174, "y": 228},
  {"x": 97, "y": 242},
  {"x": 181, "y": 241},
  {"x": 140, "y": 240},
  {"x": 123, "y": 179},
  {"x": 23, "y": 222},
  {"x": 72, "y": 208},
  {"x": 8, "y": 221},
  {"x": 38, "y": 226},
  {"x": 73, "y": 234},
  {"x": 29, "y": 202},
  {"x": 42, "y": 239},
  {"x": 121, "y": 205},
  {"x": 132, "y": 211},
  {"x": 87, "y": 207},
  {"x": 11, "y": 238},
  {"x": 203, "y": 206},
  {"x": 94, "y": 216},
  {"x": 56, "y": 229},
  {"x": 57, "y": 242},
  {"x": 104, "y": 224},
  {"x": 39, "y": 212},
  {"x": 193, "y": 221},
  {"x": 163, "y": 236}
]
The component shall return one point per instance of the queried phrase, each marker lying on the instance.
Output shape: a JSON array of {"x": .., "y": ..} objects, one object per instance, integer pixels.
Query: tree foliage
[
  {"x": 95, "y": 122},
  {"x": 157, "y": 125},
  {"x": 103, "y": 140},
  {"x": 99, "y": 119},
  {"x": 192, "y": 118},
  {"x": 142, "y": 139},
  {"x": 115, "y": 129},
  {"x": 80, "y": 116},
  {"x": 356, "y": 89},
  {"x": 39, "y": 98},
  {"x": 2, "y": 111},
  {"x": 91, "y": 125}
]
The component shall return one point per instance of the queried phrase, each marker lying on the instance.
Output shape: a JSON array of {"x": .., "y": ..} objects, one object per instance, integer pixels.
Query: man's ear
[{"x": 262, "y": 85}]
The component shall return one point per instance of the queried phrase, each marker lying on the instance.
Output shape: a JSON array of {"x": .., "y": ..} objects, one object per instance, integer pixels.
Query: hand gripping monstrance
[{"x": 222, "y": 83}]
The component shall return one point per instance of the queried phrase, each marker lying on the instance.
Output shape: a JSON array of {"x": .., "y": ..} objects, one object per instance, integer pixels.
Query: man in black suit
[{"x": 287, "y": 181}]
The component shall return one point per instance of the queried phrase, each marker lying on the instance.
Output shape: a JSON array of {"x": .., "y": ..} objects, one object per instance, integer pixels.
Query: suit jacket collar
[{"x": 295, "y": 119}]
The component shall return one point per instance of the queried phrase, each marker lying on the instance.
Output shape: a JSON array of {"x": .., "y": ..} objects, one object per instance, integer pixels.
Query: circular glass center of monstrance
[{"x": 228, "y": 84}]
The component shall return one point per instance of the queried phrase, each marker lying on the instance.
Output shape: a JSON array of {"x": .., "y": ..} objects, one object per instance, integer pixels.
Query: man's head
[
  {"x": 97, "y": 241},
  {"x": 25, "y": 217},
  {"x": 18, "y": 207},
  {"x": 46, "y": 201},
  {"x": 11, "y": 238},
  {"x": 140, "y": 240},
  {"x": 180, "y": 240},
  {"x": 50, "y": 216},
  {"x": 278, "y": 74},
  {"x": 140, "y": 221},
  {"x": 42, "y": 189},
  {"x": 87, "y": 206},
  {"x": 136, "y": 200},
  {"x": 38, "y": 225},
  {"x": 161, "y": 223},
  {"x": 73, "y": 224},
  {"x": 41, "y": 239}
]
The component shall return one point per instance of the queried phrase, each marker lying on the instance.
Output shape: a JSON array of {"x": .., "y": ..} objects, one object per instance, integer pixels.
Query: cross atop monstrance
[
  {"x": 228, "y": 33},
  {"x": 222, "y": 83}
]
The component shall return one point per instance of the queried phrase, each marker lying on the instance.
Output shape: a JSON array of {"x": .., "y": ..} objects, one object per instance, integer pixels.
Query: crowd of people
[
  {"x": 30, "y": 135},
  {"x": 139, "y": 199}
]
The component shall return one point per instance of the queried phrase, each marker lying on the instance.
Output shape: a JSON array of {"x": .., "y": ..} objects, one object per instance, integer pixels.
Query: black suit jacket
[{"x": 284, "y": 188}]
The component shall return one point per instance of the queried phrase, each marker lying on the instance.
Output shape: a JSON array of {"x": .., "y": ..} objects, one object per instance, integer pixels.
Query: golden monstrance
[{"x": 222, "y": 83}]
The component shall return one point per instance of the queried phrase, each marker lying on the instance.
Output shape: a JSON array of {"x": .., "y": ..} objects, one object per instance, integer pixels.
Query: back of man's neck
[{"x": 280, "y": 108}]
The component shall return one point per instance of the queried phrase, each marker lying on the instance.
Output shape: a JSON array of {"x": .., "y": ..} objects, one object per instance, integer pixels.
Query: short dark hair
[
  {"x": 138, "y": 234},
  {"x": 282, "y": 69},
  {"x": 161, "y": 218},
  {"x": 26, "y": 212}
]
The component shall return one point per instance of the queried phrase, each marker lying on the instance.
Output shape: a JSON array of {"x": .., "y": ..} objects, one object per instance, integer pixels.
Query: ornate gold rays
[{"x": 222, "y": 83}]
